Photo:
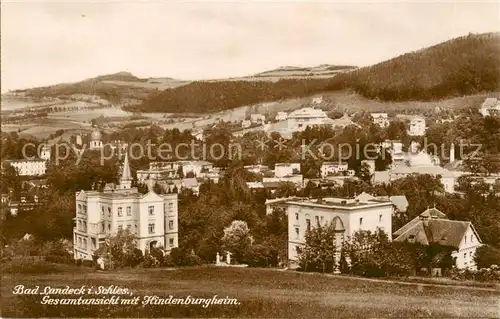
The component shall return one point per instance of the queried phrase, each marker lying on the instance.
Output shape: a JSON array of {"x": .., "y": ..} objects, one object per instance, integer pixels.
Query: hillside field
[{"x": 260, "y": 292}]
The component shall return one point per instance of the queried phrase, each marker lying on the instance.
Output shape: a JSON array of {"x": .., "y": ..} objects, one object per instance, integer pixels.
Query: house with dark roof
[{"x": 434, "y": 227}]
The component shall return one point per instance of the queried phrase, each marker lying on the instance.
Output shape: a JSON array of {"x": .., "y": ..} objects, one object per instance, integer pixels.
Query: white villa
[
  {"x": 348, "y": 216},
  {"x": 286, "y": 169},
  {"x": 300, "y": 119},
  {"x": 332, "y": 168},
  {"x": 380, "y": 119},
  {"x": 433, "y": 227},
  {"x": 281, "y": 116},
  {"x": 490, "y": 106},
  {"x": 151, "y": 217},
  {"x": 33, "y": 166},
  {"x": 417, "y": 126},
  {"x": 421, "y": 163}
]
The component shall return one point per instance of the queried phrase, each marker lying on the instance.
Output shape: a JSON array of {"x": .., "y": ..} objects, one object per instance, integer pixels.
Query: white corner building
[
  {"x": 348, "y": 215},
  {"x": 151, "y": 217}
]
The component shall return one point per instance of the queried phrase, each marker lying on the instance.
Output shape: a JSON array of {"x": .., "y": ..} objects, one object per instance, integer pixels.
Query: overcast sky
[{"x": 48, "y": 43}]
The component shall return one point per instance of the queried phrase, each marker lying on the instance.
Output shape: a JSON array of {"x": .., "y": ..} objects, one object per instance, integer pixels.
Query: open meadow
[{"x": 260, "y": 292}]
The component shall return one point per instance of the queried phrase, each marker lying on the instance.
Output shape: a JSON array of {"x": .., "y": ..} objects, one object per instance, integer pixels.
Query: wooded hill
[{"x": 461, "y": 66}]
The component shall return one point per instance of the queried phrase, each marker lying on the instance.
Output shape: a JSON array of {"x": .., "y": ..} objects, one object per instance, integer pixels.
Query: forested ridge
[
  {"x": 465, "y": 65},
  {"x": 461, "y": 66}
]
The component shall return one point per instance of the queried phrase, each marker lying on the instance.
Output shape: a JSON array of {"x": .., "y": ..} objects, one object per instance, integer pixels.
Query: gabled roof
[
  {"x": 429, "y": 213},
  {"x": 489, "y": 102},
  {"x": 436, "y": 231},
  {"x": 433, "y": 212}
]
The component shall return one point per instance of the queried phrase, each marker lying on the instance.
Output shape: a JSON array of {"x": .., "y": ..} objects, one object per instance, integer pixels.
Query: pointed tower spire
[{"x": 126, "y": 177}]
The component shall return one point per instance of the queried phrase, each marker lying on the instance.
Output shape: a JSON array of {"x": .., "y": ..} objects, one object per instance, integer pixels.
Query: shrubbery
[{"x": 484, "y": 274}]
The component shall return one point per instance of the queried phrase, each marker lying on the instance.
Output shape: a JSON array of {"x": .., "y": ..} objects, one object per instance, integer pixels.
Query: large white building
[
  {"x": 333, "y": 168},
  {"x": 151, "y": 217},
  {"x": 286, "y": 169},
  {"x": 349, "y": 216},
  {"x": 300, "y": 119},
  {"x": 380, "y": 119},
  {"x": 420, "y": 163},
  {"x": 433, "y": 227},
  {"x": 417, "y": 126},
  {"x": 29, "y": 167}
]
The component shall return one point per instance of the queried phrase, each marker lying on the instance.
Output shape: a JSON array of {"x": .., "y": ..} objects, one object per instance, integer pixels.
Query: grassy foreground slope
[
  {"x": 462, "y": 66},
  {"x": 261, "y": 293}
]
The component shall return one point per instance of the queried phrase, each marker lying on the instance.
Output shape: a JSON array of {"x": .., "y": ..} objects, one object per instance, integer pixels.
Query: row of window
[
  {"x": 319, "y": 221},
  {"x": 471, "y": 239},
  {"x": 151, "y": 210}
]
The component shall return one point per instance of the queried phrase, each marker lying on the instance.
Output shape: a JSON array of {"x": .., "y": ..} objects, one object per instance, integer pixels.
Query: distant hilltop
[{"x": 461, "y": 66}]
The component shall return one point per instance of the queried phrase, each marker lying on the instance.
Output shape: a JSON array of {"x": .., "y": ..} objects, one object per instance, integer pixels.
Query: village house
[
  {"x": 434, "y": 227},
  {"x": 257, "y": 169},
  {"x": 257, "y": 119},
  {"x": 286, "y": 169},
  {"x": 281, "y": 116},
  {"x": 246, "y": 124},
  {"x": 490, "y": 107},
  {"x": 380, "y": 119},
  {"x": 333, "y": 168},
  {"x": 151, "y": 217},
  {"x": 347, "y": 215},
  {"x": 417, "y": 126}
]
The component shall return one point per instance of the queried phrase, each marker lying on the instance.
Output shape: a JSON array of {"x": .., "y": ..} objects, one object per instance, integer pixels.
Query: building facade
[
  {"x": 332, "y": 168},
  {"x": 380, "y": 119},
  {"x": 433, "y": 227},
  {"x": 152, "y": 218},
  {"x": 29, "y": 167},
  {"x": 96, "y": 140},
  {"x": 354, "y": 215},
  {"x": 490, "y": 107},
  {"x": 417, "y": 126}
]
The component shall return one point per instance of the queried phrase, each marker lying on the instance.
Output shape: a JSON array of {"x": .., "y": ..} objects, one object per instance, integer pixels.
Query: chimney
[{"x": 452, "y": 153}]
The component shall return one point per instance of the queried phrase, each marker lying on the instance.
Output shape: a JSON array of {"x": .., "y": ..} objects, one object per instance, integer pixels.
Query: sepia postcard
[{"x": 250, "y": 159}]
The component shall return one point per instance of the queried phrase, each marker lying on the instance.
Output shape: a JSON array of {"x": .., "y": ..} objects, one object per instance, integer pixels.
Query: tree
[
  {"x": 286, "y": 189},
  {"x": 364, "y": 173},
  {"x": 158, "y": 189},
  {"x": 486, "y": 256},
  {"x": 120, "y": 250},
  {"x": 237, "y": 239},
  {"x": 317, "y": 254}
]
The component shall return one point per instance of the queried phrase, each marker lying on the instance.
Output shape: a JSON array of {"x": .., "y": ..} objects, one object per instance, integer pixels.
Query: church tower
[{"x": 126, "y": 177}]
